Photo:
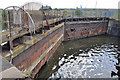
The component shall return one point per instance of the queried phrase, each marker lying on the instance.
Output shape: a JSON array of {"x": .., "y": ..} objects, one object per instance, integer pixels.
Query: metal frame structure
[
  {"x": 9, "y": 27},
  {"x": 24, "y": 11},
  {"x": 30, "y": 22}
]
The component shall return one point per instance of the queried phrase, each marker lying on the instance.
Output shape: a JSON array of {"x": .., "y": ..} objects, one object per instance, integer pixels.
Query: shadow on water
[{"x": 94, "y": 57}]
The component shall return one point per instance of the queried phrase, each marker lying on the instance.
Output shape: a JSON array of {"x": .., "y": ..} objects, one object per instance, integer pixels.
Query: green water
[{"x": 94, "y": 57}]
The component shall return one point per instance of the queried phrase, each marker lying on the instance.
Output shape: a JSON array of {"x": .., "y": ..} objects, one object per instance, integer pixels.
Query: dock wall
[
  {"x": 74, "y": 30},
  {"x": 33, "y": 58},
  {"x": 114, "y": 27}
]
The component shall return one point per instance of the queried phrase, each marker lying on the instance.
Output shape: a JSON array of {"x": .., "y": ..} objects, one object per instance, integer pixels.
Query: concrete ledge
[
  {"x": 79, "y": 22},
  {"x": 8, "y": 70},
  {"x": 114, "y": 28},
  {"x": 12, "y": 72}
]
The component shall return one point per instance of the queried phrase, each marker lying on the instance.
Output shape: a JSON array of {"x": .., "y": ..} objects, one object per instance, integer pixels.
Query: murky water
[{"x": 95, "y": 57}]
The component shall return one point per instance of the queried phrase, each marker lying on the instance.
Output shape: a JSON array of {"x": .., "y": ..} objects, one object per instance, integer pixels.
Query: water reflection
[{"x": 95, "y": 57}]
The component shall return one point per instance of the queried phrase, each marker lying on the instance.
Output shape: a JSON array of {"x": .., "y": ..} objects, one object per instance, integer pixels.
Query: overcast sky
[{"x": 65, "y": 3}]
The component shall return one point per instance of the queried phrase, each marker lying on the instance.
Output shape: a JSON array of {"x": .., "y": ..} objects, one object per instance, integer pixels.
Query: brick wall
[
  {"x": 81, "y": 30},
  {"x": 26, "y": 59}
]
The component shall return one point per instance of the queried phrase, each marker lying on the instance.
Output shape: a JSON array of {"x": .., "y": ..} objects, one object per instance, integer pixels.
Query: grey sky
[{"x": 64, "y": 3}]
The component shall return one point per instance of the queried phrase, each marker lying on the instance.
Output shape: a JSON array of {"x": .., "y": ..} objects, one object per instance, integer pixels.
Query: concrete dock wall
[
  {"x": 114, "y": 27},
  {"x": 74, "y": 30},
  {"x": 35, "y": 50},
  {"x": 8, "y": 70},
  {"x": 32, "y": 59}
]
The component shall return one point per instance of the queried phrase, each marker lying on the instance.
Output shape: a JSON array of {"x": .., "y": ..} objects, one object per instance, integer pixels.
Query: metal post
[
  {"x": 14, "y": 16},
  {"x": 10, "y": 37},
  {"x": 28, "y": 19},
  {"x": 31, "y": 34},
  {"x": 57, "y": 16},
  {"x": 23, "y": 18},
  {"x": 40, "y": 21},
  {"x": 43, "y": 19},
  {"x": 48, "y": 15},
  {"x": 20, "y": 18},
  {"x": 53, "y": 17}
]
